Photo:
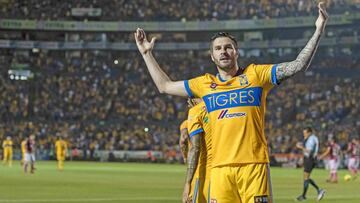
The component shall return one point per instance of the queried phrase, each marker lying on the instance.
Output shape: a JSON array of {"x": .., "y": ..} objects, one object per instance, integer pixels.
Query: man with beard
[{"x": 235, "y": 100}]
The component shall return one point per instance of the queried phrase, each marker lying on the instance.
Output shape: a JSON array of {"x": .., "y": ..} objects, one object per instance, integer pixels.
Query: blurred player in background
[
  {"x": 197, "y": 182},
  {"x": 333, "y": 150},
  {"x": 310, "y": 148},
  {"x": 61, "y": 152},
  {"x": 30, "y": 154},
  {"x": 354, "y": 152},
  {"x": 184, "y": 140},
  {"x": 23, "y": 150},
  {"x": 7, "y": 146},
  {"x": 236, "y": 102}
]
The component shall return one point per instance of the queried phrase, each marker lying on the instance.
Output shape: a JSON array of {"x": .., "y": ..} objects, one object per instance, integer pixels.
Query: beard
[{"x": 225, "y": 66}]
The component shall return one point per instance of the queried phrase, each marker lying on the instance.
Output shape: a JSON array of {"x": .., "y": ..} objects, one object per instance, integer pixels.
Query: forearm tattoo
[
  {"x": 184, "y": 147},
  {"x": 193, "y": 157},
  {"x": 302, "y": 62}
]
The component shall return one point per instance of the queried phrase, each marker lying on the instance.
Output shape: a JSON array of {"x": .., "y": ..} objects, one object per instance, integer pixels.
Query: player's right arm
[
  {"x": 193, "y": 159},
  {"x": 183, "y": 143},
  {"x": 161, "y": 79}
]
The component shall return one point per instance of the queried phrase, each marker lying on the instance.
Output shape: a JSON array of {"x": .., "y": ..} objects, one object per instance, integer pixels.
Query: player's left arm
[
  {"x": 193, "y": 159},
  {"x": 303, "y": 60}
]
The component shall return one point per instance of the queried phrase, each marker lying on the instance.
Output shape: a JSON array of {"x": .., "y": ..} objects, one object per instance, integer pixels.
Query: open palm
[{"x": 142, "y": 43}]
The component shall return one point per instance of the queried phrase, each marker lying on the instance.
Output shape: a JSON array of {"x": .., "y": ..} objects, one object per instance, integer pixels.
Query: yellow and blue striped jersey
[
  {"x": 236, "y": 109},
  {"x": 198, "y": 122}
]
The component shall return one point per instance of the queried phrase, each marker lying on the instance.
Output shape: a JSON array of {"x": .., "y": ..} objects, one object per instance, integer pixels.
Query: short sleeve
[
  {"x": 266, "y": 74},
  {"x": 194, "y": 87},
  {"x": 310, "y": 144},
  {"x": 183, "y": 125},
  {"x": 194, "y": 122}
]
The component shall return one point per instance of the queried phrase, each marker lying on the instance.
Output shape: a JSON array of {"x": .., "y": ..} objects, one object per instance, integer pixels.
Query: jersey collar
[{"x": 239, "y": 72}]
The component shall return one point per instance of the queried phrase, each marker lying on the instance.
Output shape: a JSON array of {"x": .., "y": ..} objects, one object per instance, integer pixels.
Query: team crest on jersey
[
  {"x": 261, "y": 199},
  {"x": 213, "y": 85},
  {"x": 243, "y": 80},
  {"x": 213, "y": 201}
]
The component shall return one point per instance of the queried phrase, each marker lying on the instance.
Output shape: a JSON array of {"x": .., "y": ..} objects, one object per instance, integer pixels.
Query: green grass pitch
[{"x": 149, "y": 183}]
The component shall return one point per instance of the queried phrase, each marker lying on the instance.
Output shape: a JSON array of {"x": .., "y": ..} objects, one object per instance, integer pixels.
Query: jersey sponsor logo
[
  {"x": 235, "y": 98},
  {"x": 224, "y": 114},
  {"x": 213, "y": 201},
  {"x": 261, "y": 199},
  {"x": 243, "y": 80}
]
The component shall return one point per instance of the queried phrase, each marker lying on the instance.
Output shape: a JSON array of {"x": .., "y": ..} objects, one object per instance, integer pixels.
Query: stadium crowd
[
  {"x": 97, "y": 104},
  {"x": 178, "y": 10}
]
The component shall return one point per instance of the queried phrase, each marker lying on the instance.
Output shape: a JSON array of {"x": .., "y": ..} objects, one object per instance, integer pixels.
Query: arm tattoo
[
  {"x": 302, "y": 62},
  {"x": 193, "y": 157},
  {"x": 184, "y": 148},
  {"x": 183, "y": 142}
]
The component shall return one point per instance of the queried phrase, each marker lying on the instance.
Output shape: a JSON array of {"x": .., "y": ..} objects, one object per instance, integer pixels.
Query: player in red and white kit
[
  {"x": 354, "y": 152},
  {"x": 30, "y": 154},
  {"x": 333, "y": 151}
]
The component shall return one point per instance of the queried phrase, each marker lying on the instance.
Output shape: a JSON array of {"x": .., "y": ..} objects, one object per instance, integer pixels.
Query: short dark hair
[
  {"x": 222, "y": 34},
  {"x": 308, "y": 129}
]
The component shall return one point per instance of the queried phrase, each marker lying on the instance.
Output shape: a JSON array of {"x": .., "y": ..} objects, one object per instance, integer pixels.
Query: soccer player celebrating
[
  {"x": 30, "y": 154},
  {"x": 8, "y": 151},
  {"x": 333, "y": 150},
  {"x": 354, "y": 150},
  {"x": 196, "y": 187},
  {"x": 235, "y": 100},
  {"x": 61, "y": 152},
  {"x": 310, "y": 148}
]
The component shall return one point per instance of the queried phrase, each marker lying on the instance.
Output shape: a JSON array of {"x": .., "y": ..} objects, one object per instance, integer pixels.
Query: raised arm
[
  {"x": 303, "y": 60},
  {"x": 193, "y": 159},
  {"x": 162, "y": 81}
]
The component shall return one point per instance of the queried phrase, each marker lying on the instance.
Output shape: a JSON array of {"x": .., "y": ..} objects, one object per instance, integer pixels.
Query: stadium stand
[{"x": 179, "y": 10}]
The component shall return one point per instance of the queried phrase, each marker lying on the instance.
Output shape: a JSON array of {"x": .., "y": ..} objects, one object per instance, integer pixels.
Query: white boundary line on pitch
[{"x": 344, "y": 197}]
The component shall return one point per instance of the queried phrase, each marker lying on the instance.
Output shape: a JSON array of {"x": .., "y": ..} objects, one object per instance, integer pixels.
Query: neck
[{"x": 228, "y": 74}]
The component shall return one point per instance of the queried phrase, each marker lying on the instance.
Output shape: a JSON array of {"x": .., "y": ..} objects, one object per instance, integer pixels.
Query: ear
[
  {"x": 212, "y": 57},
  {"x": 235, "y": 50}
]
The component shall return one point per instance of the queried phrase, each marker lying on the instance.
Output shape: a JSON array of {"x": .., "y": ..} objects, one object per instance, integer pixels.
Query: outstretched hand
[
  {"x": 142, "y": 43},
  {"x": 322, "y": 19}
]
